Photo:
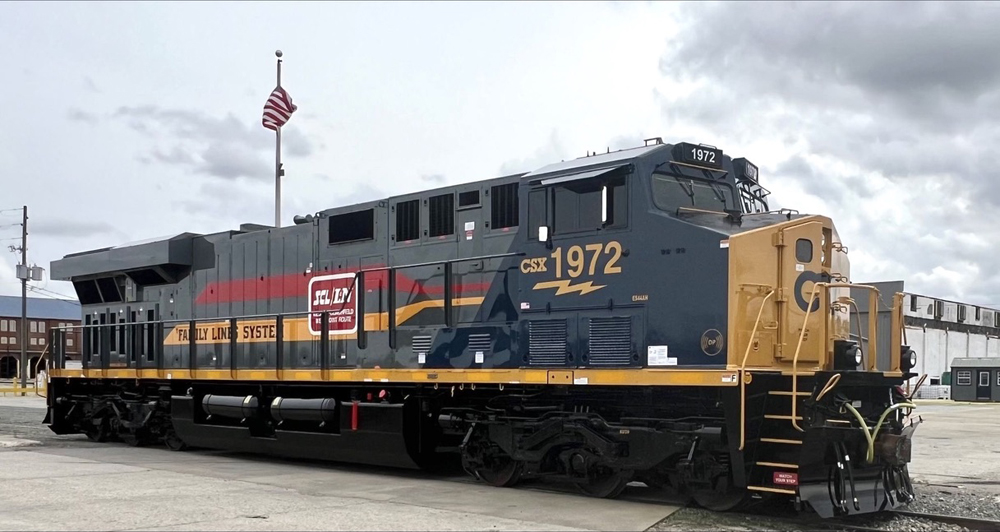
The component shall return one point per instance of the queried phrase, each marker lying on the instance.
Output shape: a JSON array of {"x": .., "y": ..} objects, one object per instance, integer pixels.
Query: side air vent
[
  {"x": 547, "y": 342},
  {"x": 421, "y": 344},
  {"x": 480, "y": 342},
  {"x": 610, "y": 341}
]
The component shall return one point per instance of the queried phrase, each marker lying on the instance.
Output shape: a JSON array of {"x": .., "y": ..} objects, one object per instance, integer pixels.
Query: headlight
[
  {"x": 908, "y": 358},
  {"x": 846, "y": 355}
]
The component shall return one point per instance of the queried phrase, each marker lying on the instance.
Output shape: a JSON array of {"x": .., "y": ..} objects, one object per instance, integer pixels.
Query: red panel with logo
[{"x": 336, "y": 294}]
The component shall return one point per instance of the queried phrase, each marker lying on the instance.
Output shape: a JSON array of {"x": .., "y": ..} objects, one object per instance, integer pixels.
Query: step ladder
[{"x": 776, "y": 456}]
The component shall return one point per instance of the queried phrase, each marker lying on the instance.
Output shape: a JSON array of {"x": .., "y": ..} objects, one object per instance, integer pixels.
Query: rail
[
  {"x": 38, "y": 363},
  {"x": 878, "y": 522},
  {"x": 743, "y": 365},
  {"x": 137, "y": 343},
  {"x": 15, "y": 386}
]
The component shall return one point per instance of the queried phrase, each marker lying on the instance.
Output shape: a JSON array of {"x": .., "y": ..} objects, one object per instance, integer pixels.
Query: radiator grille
[
  {"x": 547, "y": 342},
  {"x": 480, "y": 342},
  {"x": 421, "y": 344},
  {"x": 610, "y": 341}
]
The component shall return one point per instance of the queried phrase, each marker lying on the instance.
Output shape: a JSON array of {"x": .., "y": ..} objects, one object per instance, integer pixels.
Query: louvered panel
[
  {"x": 480, "y": 342},
  {"x": 547, "y": 342},
  {"x": 421, "y": 344},
  {"x": 610, "y": 341}
]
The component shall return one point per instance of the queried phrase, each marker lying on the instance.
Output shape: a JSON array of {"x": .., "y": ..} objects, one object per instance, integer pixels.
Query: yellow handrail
[
  {"x": 40, "y": 359},
  {"x": 743, "y": 364},
  {"x": 830, "y": 384},
  {"x": 16, "y": 381},
  {"x": 795, "y": 359},
  {"x": 872, "y": 334}
]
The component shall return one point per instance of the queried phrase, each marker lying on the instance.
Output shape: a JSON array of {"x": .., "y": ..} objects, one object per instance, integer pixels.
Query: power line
[{"x": 44, "y": 291}]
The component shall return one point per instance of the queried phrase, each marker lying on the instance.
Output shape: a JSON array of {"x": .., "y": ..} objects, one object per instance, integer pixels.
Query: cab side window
[{"x": 577, "y": 206}]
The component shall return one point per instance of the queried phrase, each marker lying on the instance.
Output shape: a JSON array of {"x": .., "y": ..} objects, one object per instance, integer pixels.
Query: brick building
[{"x": 43, "y": 315}]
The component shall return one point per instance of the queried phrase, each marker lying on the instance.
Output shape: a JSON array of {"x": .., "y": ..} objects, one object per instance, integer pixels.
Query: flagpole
[{"x": 277, "y": 159}]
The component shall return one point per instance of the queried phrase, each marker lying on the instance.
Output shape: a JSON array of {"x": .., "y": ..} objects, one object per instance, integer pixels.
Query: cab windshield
[{"x": 673, "y": 192}]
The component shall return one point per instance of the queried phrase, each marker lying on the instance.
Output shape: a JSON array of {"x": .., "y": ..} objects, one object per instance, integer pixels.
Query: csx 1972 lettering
[
  {"x": 533, "y": 265},
  {"x": 577, "y": 260}
]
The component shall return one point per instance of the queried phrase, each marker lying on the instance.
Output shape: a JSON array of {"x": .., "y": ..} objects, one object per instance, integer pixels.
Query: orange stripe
[{"x": 297, "y": 329}]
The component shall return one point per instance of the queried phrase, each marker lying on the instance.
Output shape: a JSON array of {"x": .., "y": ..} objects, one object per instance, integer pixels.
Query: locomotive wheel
[
  {"x": 134, "y": 437},
  {"x": 721, "y": 497},
  {"x": 501, "y": 472},
  {"x": 99, "y": 432},
  {"x": 605, "y": 483},
  {"x": 173, "y": 442}
]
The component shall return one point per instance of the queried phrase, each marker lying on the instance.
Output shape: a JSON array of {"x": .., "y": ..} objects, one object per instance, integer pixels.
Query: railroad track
[{"x": 970, "y": 523}]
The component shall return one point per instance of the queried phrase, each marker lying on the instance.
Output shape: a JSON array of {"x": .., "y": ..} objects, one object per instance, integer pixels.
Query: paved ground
[
  {"x": 70, "y": 483},
  {"x": 955, "y": 466},
  {"x": 958, "y": 444}
]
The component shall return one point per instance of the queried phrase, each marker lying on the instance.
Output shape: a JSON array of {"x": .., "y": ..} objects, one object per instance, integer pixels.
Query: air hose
[{"x": 869, "y": 434}]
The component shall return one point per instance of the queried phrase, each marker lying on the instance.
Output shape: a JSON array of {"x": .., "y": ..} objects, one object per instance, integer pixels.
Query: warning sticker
[{"x": 656, "y": 355}]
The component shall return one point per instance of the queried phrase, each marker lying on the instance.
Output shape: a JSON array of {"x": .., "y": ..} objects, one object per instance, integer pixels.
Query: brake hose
[{"x": 869, "y": 435}]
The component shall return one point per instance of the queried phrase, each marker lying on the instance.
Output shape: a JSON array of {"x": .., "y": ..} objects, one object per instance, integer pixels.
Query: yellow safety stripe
[{"x": 579, "y": 377}]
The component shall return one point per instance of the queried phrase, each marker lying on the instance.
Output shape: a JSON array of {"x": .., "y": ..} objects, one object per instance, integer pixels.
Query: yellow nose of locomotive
[{"x": 790, "y": 304}]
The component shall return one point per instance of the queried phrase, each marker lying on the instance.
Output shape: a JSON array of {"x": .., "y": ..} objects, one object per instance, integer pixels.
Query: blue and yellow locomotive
[{"x": 638, "y": 315}]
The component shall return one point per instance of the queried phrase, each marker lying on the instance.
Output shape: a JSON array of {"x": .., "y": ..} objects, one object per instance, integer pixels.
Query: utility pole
[{"x": 24, "y": 299}]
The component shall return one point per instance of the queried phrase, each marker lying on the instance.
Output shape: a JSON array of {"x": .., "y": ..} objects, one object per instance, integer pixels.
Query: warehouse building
[
  {"x": 939, "y": 330},
  {"x": 43, "y": 315}
]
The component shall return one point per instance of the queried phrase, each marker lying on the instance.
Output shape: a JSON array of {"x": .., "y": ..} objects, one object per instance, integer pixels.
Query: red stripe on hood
[{"x": 297, "y": 285}]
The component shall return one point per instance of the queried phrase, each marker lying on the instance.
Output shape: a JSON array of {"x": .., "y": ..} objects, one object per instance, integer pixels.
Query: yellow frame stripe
[{"x": 579, "y": 377}]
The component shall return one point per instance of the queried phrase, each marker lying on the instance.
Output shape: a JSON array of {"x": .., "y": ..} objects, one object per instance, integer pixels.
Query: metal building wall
[
  {"x": 883, "y": 321},
  {"x": 937, "y": 344}
]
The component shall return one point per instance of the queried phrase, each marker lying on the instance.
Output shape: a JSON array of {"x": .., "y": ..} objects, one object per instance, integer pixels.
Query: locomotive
[{"x": 633, "y": 316}]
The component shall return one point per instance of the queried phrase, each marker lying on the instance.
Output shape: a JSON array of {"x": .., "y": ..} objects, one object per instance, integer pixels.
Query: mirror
[
  {"x": 604, "y": 205},
  {"x": 543, "y": 233}
]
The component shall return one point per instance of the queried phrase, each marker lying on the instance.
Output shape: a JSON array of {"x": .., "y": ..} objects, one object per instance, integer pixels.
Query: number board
[
  {"x": 745, "y": 169},
  {"x": 686, "y": 152}
]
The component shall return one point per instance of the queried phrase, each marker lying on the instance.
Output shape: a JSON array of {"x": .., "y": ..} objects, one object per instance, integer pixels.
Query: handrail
[
  {"x": 743, "y": 364},
  {"x": 40, "y": 359},
  {"x": 830, "y": 384},
  {"x": 795, "y": 359},
  {"x": 872, "y": 333},
  {"x": 920, "y": 382},
  {"x": 193, "y": 323}
]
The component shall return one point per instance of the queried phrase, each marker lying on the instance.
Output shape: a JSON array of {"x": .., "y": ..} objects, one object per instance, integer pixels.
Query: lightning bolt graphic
[{"x": 564, "y": 287}]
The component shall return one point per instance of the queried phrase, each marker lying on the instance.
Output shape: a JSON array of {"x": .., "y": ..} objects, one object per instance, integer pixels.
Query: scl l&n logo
[{"x": 335, "y": 295}]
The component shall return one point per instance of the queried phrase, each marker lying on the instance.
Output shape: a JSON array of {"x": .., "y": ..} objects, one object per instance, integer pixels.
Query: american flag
[{"x": 278, "y": 109}]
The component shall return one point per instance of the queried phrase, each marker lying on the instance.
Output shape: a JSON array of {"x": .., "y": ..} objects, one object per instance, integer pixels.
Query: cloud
[
  {"x": 61, "y": 227},
  {"x": 90, "y": 85},
  {"x": 225, "y": 147},
  {"x": 880, "y": 114},
  {"x": 79, "y": 115},
  {"x": 552, "y": 151},
  {"x": 433, "y": 178},
  {"x": 9, "y": 284}
]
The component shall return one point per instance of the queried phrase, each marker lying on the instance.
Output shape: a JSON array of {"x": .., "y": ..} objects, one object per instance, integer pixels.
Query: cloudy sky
[{"x": 126, "y": 121}]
